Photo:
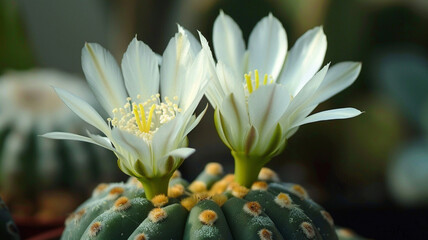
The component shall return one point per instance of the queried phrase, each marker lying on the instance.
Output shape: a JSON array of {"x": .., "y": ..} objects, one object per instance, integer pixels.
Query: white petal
[
  {"x": 338, "y": 77},
  {"x": 235, "y": 119},
  {"x": 176, "y": 60},
  {"x": 75, "y": 137},
  {"x": 104, "y": 76},
  {"x": 305, "y": 97},
  {"x": 194, "y": 43},
  {"x": 340, "y": 113},
  {"x": 83, "y": 110},
  {"x": 168, "y": 137},
  {"x": 218, "y": 121},
  {"x": 195, "y": 83},
  {"x": 229, "y": 82},
  {"x": 133, "y": 145},
  {"x": 140, "y": 70},
  {"x": 229, "y": 46},
  {"x": 213, "y": 91},
  {"x": 195, "y": 122},
  {"x": 182, "y": 153},
  {"x": 304, "y": 60},
  {"x": 267, "y": 47},
  {"x": 266, "y": 105}
]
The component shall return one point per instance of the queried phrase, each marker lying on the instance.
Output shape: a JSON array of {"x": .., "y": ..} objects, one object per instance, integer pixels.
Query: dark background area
[{"x": 369, "y": 172}]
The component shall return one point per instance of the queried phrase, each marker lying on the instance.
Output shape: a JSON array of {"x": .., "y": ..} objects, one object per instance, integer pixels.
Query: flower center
[
  {"x": 252, "y": 84},
  {"x": 143, "y": 119}
]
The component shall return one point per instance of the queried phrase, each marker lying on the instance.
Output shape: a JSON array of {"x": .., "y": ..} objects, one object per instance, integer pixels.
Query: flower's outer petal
[
  {"x": 176, "y": 60},
  {"x": 195, "y": 122},
  {"x": 167, "y": 137},
  {"x": 266, "y": 106},
  {"x": 304, "y": 60},
  {"x": 140, "y": 70},
  {"x": 75, "y": 137},
  {"x": 134, "y": 146},
  {"x": 214, "y": 92},
  {"x": 194, "y": 43},
  {"x": 218, "y": 121},
  {"x": 338, "y": 77},
  {"x": 182, "y": 153},
  {"x": 340, "y": 113},
  {"x": 83, "y": 110},
  {"x": 194, "y": 85},
  {"x": 305, "y": 97},
  {"x": 229, "y": 82},
  {"x": 229, "y": 46},
  {"x": 235, "y": 118},
  {"x": 104, "y": 76},
  {"x": 267, "y": 47}
]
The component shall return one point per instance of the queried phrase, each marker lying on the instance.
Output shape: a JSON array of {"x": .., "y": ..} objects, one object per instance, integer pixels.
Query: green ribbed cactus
[
  {"x": 211, "y": 207},
  {"x": 8, "y": 229}
]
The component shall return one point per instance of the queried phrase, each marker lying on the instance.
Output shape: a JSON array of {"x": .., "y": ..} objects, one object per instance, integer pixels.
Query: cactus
[
  {"x": 29, "y": 107},
  {"x": 8, "y": 229},
  {"x": 211, "y": 207}
]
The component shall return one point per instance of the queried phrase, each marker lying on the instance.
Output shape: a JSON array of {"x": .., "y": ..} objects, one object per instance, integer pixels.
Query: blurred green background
[{"x": 371, "y": 172}]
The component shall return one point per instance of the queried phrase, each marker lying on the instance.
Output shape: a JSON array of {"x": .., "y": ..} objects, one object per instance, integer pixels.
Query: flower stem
[
  {"x": 247, "y": 168},
  {"x": 155, "y": 186}
]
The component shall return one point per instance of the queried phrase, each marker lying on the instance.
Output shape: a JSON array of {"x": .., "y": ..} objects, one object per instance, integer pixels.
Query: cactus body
[
  {"x": 8, "y": 229},
  {"x": 211, "y": 207}
]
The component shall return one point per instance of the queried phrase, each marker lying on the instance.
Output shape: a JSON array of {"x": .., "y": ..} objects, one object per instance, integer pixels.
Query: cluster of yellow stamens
[
  {"x": 252, "y": 85},
  {"x": 144, "y": 118}
]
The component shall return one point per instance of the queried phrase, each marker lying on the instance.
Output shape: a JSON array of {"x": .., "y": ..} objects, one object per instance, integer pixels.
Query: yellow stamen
[
  {"x": 143, "y": 113},
  {"x": 137, "y": 119},
  {"x": 265, "y": 79},
  {"x": 249, "y": 84},
  {"x": 256, "y": 73},
  {"x": 149, "y": 119}
]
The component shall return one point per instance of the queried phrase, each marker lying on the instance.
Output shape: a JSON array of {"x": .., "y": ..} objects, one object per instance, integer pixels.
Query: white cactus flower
[
  {"x": 150, "y": 107},
  {"x": 262, "y": 95}
]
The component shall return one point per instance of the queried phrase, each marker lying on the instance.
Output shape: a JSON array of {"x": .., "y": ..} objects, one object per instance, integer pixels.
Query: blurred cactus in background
[
  {"x": 30, "y": 164},
  {"x": 403, "y": 77}
]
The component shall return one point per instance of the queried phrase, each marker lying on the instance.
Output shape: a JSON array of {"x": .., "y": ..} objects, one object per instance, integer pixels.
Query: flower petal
[
  {"x": 141, "y": 70},
  {"x": 266, "y": 106},
  {"x": 194, "y": 43},
  {"x": 75, "y": 137},
  {"x": 177, "y": 58},
  {"x": 168, "y": 137},
  {"x": 305, "y": 97},
  {"x": 229, "y": 82},
  {"x": 304, "y": 60},
  {"x": 104, "y": 76},
  {"x": 136, "y": 147},
  {"x": 218, "y": 121},
  {"x": 267, "y": 47},
  {"x": 338, "y": 77},
  {"x": 235, "y": 118},
  {"x": 340, "y": 113},
  {"x": 229, "y": 46},
  {"x": 195, "y": 122},
  {"x": 182, "y": 153},
  {"x": 195, "y": 83},
  {"x": 83, "y": 110}
]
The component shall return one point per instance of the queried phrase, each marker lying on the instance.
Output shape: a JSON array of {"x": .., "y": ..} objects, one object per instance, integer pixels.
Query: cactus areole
[{"x": 213, "y": 206}]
